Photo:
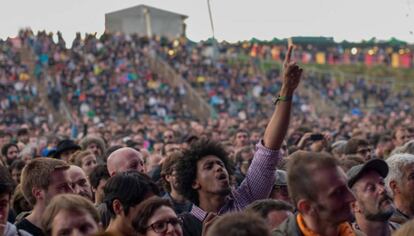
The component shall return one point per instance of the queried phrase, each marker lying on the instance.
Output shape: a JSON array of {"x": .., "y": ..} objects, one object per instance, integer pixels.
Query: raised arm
[
  {"x": 279, "y": 122},
  {"x": 260, "y": 178}
]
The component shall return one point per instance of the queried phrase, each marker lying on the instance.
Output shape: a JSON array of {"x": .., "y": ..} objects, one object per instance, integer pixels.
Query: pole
[{"x": 211, "y": 18}]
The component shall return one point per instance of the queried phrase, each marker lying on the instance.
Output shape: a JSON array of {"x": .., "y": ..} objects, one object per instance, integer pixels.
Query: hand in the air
[{"x": 292, "y": 73}]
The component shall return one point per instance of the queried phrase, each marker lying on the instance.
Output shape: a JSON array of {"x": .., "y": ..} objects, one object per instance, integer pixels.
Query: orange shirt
[{"x": 345, "y": 229}]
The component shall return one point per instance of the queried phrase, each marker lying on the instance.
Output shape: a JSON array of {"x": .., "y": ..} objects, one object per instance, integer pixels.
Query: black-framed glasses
[{"x": 161, "y": 226}]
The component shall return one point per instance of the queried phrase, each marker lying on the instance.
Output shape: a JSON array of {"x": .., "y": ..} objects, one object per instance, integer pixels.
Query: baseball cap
[
  {"x": 356, "y": 172},
  {"x": 281, "y": 178}
]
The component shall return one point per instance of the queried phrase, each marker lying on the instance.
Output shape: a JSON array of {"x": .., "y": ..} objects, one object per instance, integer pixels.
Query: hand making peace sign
[{"x": 292, "y": 73}]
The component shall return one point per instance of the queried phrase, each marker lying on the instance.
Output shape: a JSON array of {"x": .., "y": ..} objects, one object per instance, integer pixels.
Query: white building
[{"x": 146, "y": 20}]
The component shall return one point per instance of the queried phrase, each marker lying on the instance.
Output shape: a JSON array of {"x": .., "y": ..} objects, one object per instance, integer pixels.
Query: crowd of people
[
  {"x": 103, "y": 78},
  {"x": 18, "y": 97},
  {"x": 326, "y": 51},
  {"x": 256, "y": 170}
]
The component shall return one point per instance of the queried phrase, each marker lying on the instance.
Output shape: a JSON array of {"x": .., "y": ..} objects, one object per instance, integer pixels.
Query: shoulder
[
  {"x": 398, "y": 218},
  {"x": 25, "y": 227},
  {"x": 11, "y": 230},
  {"x": 191, "y": 225},
  {"x": 21, "y": 216},
  {"x": 288, "y": 228},
  {"x": 22, "y": 223}
]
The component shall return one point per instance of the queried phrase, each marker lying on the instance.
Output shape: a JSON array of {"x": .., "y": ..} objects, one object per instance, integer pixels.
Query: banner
[
  {"x": 275, "y": 53},
  {"x": 320, "y": 58},
  {"x": 306, "y": 57},
  {"x": 405, "y": 60},
  {"x": 346, "y": 58},
  {"x": 395, "y": 60},
  {"x": 369, "y": 59},
  {"x": 331, "y": 59}
]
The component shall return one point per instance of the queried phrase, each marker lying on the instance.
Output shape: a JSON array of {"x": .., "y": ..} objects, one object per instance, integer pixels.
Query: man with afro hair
[{"x": 203, "y": 174}]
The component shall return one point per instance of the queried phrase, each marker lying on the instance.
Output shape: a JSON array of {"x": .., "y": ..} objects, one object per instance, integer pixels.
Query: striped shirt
[{"x": 257, "y": 185}]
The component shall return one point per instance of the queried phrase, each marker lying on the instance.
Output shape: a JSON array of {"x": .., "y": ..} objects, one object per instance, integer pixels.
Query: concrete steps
[{"x": 28, "y": 58}]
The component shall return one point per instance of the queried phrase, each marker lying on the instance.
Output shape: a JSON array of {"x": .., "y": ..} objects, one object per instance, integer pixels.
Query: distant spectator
[
  {"x": 9, "y": 153},
  {"x": 94, "y": 144},
  {"x": 359, "y": 147},
  {"x": 169, "y": 180},
  {"x": 16, "y": 170},
  {"x": 65, "y": 149},
  {"x": 84, "y": 159},
  {"x": 98, "y": 178}
]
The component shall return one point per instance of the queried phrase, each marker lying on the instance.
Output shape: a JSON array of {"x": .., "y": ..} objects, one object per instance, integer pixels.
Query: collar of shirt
[
  {"x": 402, "y": 214},
  {"x": 200, "y": 214}
]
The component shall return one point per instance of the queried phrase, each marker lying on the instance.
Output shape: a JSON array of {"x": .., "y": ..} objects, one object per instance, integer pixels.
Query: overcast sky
[{"x": 234, "y": 20}]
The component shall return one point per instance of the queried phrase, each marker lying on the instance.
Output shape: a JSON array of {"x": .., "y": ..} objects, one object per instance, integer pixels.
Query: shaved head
[
  {"x": 125, "y": 159},
  {"x": 79, "y": 181}
]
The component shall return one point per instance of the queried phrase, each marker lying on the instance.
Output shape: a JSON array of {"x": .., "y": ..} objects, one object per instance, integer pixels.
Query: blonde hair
[
  {"x": 77, "y": 157},
  {"x": 68, "y": 202},
  {"x": 37, "y": 174}
]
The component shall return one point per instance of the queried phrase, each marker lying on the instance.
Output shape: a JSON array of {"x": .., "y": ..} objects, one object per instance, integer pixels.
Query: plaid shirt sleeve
[{"x": 260, "y": 177}]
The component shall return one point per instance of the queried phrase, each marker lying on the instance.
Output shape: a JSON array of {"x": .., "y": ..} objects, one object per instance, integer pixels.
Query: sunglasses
[{"x": 162, "y": 225}]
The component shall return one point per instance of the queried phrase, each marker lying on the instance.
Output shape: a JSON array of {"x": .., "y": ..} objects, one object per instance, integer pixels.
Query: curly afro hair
[{"x": 186, "y": 167}]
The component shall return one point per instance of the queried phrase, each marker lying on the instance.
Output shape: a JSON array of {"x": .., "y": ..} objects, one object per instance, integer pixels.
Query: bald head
[
  {"x": 125, "y": 159},
  {"x": 79, "y": 181}
]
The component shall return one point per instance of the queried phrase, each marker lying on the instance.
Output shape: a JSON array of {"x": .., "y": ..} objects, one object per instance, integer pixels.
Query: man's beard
[
  {"x": 86, "y": 195},
  {"x": 382, "y": 214},
  {"x": 379, "y": 216},
  {"x": 10, "y": 161}
]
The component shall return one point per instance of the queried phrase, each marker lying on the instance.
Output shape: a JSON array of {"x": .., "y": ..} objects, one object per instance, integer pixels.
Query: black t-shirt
[
  {"x": 29, "y": 227},
  {"x": 12, "y": 216},
  {"x": 191, "y": 225}
]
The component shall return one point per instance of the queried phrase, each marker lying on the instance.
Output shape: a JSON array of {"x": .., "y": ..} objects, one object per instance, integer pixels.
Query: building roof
[{"x": 138, "y": 9}]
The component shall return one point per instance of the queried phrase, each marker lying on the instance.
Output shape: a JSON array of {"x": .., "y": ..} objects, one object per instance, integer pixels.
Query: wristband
[{"x": 281, "y": 99}]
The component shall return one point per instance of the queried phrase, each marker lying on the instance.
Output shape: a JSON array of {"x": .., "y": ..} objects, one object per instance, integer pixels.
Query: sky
[{"x": 234, "y": 20}]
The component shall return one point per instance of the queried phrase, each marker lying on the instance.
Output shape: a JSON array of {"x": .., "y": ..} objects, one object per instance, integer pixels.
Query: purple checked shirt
[{"x": 257, "y": 185}]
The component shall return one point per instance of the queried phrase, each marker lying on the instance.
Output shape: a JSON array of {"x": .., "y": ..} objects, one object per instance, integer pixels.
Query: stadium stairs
[
  {"x": 192, "y": 99},
  {"x": 58, "y": 116}
]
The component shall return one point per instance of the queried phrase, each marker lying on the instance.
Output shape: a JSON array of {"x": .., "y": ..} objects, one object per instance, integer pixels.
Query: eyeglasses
[
  {"x": 364, "y": 151},
  {"x": 162, "y": 225}
]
